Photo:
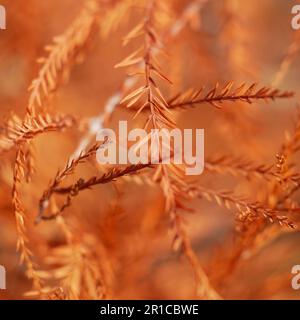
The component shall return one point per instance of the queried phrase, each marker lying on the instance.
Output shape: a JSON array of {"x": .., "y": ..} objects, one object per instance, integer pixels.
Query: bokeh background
[{"x": 243, "y": 41}]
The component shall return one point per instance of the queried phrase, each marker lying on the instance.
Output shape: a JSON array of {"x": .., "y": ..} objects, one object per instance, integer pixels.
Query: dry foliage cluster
[{"x": 88, "y": 231}]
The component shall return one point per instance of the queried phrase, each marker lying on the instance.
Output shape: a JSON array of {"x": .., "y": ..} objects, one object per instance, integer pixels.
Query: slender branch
[
  {"x": 246, "y": 208},
  {"x": 217, "y": 96},
  {"x": 62, "y": 54},
  {"x": 73, "y": 190}
]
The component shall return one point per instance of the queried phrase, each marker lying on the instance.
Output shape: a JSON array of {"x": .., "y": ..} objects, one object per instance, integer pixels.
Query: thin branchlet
[
  {"x": 21, "y": 217},
  {"x": 247, "y": 210},
  {"x": 73, "y": 190},
  {"x": 68, "y": 170},
  {"x": 217, "y": 96},
  {"x": 18, "y": 131},
  {"x": 238, "y": 166}
]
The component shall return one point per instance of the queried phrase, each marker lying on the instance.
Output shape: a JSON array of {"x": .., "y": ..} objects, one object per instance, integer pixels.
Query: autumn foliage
[{"x": 71, "y": 228}]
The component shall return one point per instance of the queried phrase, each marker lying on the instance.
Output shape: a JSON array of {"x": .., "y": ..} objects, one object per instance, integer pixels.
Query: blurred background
[{"x": 242, "y": 41}]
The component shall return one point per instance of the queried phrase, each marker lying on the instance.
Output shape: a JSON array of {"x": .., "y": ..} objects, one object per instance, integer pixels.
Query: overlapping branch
[
  {"x": 96, "y": 123},
  {"x": 82, "y": 184}
]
